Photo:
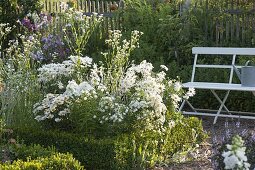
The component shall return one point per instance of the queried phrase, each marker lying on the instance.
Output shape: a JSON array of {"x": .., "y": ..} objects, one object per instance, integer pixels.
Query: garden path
[{"x": 202, "y": 157}]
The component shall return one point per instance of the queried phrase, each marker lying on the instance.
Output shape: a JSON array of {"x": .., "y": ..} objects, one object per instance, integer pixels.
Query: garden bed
[{"x": 204, "y": 153}]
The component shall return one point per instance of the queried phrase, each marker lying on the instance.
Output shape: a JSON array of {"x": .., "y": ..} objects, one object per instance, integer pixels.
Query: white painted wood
[
  {"x": 232, "y": 69},
  {"x": 221, "y": 115},
  {"x": 212, "y": 86},
  {"x": 217, "y": 86},
  {"x": 223, "y": 50},
  {"x": 215, "y": 66},
  {"x": 194, "y": 68}
]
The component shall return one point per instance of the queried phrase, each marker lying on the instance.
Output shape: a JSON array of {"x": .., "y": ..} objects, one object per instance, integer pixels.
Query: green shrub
[
  {"x": 92, "y": 153},
  {"x": 139, "y": 149},
  {"x": 13, "y": 10},
  {"x": 33, "y": 151},
  {"x": 53, "y": 162}
]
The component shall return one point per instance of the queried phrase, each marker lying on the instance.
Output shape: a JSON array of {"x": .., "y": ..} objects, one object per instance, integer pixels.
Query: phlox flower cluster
[{"x": 235, "y": 157}]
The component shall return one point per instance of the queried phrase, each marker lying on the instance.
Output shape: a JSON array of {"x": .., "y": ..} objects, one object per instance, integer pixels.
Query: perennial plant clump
[
  {"x": 117, "y": 97},
  {"x": 135, "y": 92},
  {"x": 235, "y": 157}
]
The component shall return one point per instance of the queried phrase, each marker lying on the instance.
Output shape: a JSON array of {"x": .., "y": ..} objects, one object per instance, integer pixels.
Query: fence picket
[{"x": 234, "y": 23}]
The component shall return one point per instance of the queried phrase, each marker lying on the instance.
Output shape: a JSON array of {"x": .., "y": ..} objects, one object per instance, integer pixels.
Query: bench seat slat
[
  {"x": 217, "y": 86},
  {"x": 216, "y": 66},
  {"x": 223, "y": 51}
]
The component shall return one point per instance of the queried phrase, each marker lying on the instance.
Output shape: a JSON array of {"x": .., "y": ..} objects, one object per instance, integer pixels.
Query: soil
[{"x": 202, "y": 156}]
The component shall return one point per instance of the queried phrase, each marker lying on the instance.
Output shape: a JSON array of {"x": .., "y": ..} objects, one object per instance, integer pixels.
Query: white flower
[
  {"x": 84, "y": 61},
  {"x": 177, "y": 86},
  {"x": 240, "y": 153},
  {"x": 235, "y": 158},
  {"x": 231, "y": 162},
  {"x": 164, "y": 67},
  {"x": 60, "y": 85}
]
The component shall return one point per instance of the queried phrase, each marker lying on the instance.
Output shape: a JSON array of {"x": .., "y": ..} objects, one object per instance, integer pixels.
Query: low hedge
[
  {"x": 117, "y": 152},
  {"x": 92, "y": 153},
  {"x": 56, "y": 161}
]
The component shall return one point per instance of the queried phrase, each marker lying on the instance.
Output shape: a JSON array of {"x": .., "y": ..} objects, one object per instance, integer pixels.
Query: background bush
[
  {"x": 13, "y": 10},
  {"x": 169, "y": 36}
]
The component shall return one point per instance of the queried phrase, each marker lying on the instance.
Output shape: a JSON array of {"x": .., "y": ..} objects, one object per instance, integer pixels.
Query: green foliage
[
  {"x": 79, "y": 30},
  {"x": 92, "y": 153},
  {"x": 145, "y": 149},
  {"x": 33, "y": 151},
  {"x": 134, "y": 150},
  {"x": 13, "y": 10},
  {"x": 55, "y": 161}
]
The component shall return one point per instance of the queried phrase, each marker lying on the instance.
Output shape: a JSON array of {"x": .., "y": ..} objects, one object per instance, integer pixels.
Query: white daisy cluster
[
  {"x": 113, "y": 110},
  {"x": 144, "y": 97},
  {"x": 120, "y": 92},
  {"x": 51, "y": 104},
  {"x": 56, "y": 106},
  {"x": 121, "y": 48},
  {"x": 54, "y": 71},
  {"x": 141, "y": 94},
  {"x": 235, "y": 157}
]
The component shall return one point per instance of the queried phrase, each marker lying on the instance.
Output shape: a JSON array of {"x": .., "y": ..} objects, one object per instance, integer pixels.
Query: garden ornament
[{"x": 247, "y": 75}]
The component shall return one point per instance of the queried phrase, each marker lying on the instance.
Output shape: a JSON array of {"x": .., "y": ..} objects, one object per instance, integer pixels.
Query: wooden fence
[
  {"x": 225, "y": 21},
  {"x": 87, "y": 6},
  {"x": 229, "y": 21}
]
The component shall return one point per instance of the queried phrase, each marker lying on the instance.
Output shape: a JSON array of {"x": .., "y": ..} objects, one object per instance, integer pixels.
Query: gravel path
[{"x": 201, "y": 157}]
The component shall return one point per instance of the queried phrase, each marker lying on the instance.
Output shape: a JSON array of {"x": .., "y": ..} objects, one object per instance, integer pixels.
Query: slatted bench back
[{"x": 220, "y": 51}]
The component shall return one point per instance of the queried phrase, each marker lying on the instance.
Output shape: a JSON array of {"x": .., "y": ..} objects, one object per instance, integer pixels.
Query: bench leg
[
  {"x": 221, "y": 106},
  {"x": 190, "y": 105},
  {"x": 217, "y": 97}
]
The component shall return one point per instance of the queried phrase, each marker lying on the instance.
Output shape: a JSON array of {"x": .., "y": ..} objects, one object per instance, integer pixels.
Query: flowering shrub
[
  {"x": 116, "y": 97},
  {"x": 235, "y": 157},
  {"x": 136, "y": 93}
]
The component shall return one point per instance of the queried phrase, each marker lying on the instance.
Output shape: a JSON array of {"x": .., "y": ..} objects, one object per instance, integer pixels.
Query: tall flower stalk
[
  {"x": 79, "y": 29},
  {"x": 117, "y": 57}
]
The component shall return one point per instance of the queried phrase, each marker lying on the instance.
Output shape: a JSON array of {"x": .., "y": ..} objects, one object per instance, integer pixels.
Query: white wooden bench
[{"x": 222, "y": 111}]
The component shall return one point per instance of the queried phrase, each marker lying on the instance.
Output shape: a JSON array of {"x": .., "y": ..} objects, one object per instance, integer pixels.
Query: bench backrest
[{"x": 220, "y": 51}]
